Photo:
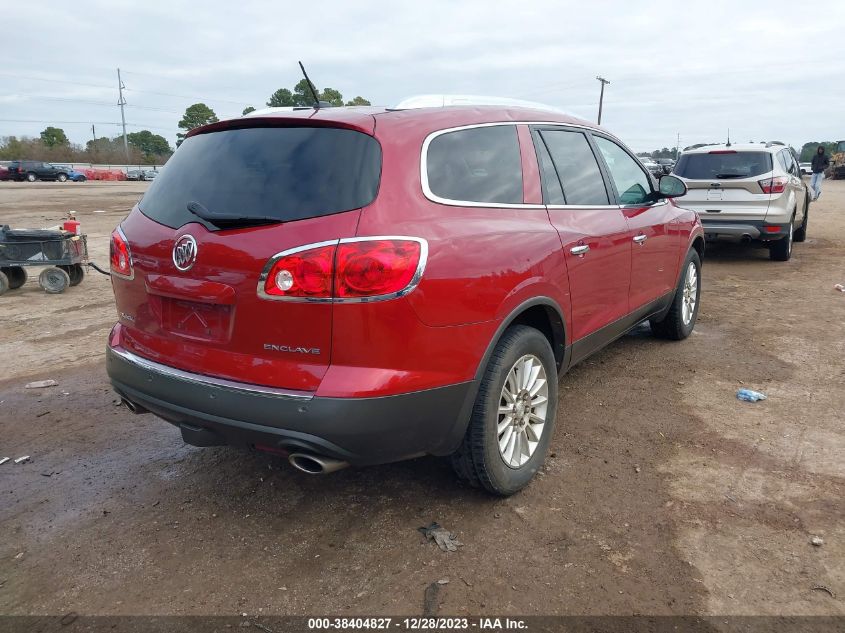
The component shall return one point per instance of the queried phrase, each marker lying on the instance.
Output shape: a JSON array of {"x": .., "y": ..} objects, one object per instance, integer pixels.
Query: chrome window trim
[
  {"x": 190, "y": 377},
  {"x": 415, "y": 280},
  {"x": 433, "y": 197},
  {"x": 131, "y": 274}
]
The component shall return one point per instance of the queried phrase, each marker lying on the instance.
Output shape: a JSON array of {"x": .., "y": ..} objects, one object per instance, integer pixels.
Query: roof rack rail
[
  {"x": 445, "y": 101},
  {"x": 771, "y": 143}
]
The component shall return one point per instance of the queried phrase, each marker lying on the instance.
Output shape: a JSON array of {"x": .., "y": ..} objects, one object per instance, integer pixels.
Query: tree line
[
  {"x": 200, "y": 114},
  {"x": 53, "y": 145}
]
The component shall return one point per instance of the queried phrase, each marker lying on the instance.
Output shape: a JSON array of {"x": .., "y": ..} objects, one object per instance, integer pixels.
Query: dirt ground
[{"x": 664, "y": 494}]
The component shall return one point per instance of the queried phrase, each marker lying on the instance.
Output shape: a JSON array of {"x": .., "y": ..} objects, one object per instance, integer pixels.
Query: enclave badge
[{"x": 185, "y": 252}]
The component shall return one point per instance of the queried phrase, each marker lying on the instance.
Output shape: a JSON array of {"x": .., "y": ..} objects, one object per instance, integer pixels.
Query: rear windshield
[
  {"x": 720, "y": 166},
  {"x": 288, "y": 173}
]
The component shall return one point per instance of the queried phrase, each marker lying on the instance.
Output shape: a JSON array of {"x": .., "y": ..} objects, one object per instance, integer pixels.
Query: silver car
[{"x": 747, "y": 192}]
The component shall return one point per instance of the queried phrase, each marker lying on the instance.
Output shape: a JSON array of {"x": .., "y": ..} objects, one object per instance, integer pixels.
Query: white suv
[{"x": 747, "y": 192}]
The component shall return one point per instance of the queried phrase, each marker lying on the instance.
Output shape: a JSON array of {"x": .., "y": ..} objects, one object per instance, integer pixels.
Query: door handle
[
  {"x": 640, "y": 239},
  {"x": 581, "y": 250}
]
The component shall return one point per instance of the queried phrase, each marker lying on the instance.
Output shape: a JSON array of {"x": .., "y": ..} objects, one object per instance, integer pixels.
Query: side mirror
[{"x": 672, "y": 187}]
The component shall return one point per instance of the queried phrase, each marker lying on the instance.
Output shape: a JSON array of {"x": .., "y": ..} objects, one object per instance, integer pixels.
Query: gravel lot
[{"x": 663, "y": 494}]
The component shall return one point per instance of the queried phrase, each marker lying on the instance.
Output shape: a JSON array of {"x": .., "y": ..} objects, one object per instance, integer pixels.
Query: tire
[
  {"x": 75, "y": 272},
  {"x": 679, "y": 322},
  {"x": 801, "y": 232},
  {"x": 30, "y": 177},
  {"x": 16, "y": 275},
  {"x": 4, "y": 282},
  {"x": 82, "y": 179},
  {"x": 53, "y": 280},
  {"x": 479, "y": 460},
  {"x": 61, "y": 177},
  {"x": 781, "y": 250}
]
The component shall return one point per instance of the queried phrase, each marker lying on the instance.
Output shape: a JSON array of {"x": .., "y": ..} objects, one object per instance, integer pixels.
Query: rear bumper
[
  {"x": 743, "y": 229},
  {"x": 361, "y": 431}
]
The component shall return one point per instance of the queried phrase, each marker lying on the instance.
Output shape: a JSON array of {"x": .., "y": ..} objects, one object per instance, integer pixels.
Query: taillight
[
  {"x": 773, "y": 185},
  {"x": 353, "y": 269},
  {"x": 120, "y": 255},
  {"x": 372, "y": 268},
  {"x": 303, "y": 274}
]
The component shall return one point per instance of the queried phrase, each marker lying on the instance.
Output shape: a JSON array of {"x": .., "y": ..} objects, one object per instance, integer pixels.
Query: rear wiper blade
[{"x": 228, "y": 219}]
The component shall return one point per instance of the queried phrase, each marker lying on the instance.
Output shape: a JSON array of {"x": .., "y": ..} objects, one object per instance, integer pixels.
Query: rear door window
[
  {"x": 632, "y": 183},
  {"x": 723, "y": 164},
  {"x": 576, "y": 166},
  {"x": 481, "y": 164},
  {"x": 284, "y": 173}
]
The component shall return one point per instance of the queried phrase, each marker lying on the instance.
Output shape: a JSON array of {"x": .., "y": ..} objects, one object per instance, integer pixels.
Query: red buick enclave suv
[{"x": 364, "y": 285}]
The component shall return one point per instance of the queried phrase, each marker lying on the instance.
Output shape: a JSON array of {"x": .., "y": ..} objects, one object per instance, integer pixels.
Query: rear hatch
[
  {"x": 199, "y": 240},
  {"x": 726, "y": 184}
]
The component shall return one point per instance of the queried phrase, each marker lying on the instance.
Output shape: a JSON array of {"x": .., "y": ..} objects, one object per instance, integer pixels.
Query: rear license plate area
[
  {"x": 201, "y": 321},
  {"x": 714, "y": 194}
]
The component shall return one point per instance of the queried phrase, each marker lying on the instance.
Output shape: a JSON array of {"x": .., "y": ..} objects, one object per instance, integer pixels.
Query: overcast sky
[{"x": 766, "y": 70}]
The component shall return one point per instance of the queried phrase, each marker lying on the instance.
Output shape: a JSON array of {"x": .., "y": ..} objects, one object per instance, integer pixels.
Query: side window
[
  {"x": 576, "y": 166},
  {"x": 632, "y": 183},
  {"x": 552, "y": 190},
  {"x": 476, "y": 165},
  {"x": 782, "y": 160}
]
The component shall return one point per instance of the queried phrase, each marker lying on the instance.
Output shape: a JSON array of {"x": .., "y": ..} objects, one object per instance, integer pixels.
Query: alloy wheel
[
  {"x": 690, "y": 293},
  {"x": 523, "y": 405}
]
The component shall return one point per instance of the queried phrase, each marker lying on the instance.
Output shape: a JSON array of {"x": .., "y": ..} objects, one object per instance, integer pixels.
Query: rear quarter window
[
  {"x": 480, "y": 164},
  {"x": 723, "y": 165}
]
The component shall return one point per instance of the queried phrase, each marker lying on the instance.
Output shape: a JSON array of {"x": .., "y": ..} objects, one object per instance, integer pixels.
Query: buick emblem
[{"x": 185, "y": 252}]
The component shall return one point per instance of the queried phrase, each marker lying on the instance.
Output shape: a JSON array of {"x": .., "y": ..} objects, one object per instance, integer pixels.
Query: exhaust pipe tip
[
  {"x": 315, "y": 464},
  {"x": 133, "y": 408}
]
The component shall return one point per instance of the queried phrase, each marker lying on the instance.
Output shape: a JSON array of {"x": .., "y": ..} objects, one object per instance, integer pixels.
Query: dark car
[
  {"x": 363, "y": 285},
  {"x": 32, "y": 170}
]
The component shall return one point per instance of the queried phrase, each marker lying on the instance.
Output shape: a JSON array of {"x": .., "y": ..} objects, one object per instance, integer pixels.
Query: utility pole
[
  {"x": 93, "y": 135},
  {"x": 678, "y": 147},
  {"x": 601, "y": 97},
  {"x": 122, "y": 102}
]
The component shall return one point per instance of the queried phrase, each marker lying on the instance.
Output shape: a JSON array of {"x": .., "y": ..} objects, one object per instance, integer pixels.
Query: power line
[
  {"x": 141, "y": 125},
  {"x": 57, "y": 81}
]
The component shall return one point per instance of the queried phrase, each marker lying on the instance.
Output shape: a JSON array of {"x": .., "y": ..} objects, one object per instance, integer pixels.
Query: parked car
[
  {"x": 747, "y": 192},
  {"x": 806, "y": 169},
  {"x": 141, "y": 174},
  {"x": 76, "y": 176},
  {"x": 666, "y": 163},
  {"x": 352, "y": 293},
  {"x": 4, "y": 171},
  {"x": 654, "y": 168},
  {"x": 32, "y": 170}
]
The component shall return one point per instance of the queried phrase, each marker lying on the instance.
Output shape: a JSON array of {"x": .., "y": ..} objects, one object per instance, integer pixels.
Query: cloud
[{"x": 766, "y": 69}]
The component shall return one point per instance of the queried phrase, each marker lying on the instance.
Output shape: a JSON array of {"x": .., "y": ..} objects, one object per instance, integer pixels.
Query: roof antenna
[
  {"x": 729, "y": 132},
  {"x": 311, "y": 87}
]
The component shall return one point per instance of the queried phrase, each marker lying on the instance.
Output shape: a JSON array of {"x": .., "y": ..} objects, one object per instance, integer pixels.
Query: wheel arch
[{"x": 542, "y": 313}]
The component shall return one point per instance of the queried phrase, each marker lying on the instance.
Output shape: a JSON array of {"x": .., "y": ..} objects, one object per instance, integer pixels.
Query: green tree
[
  {"x": 282, "y": 98},
  {"x": 150, "y": 144},
  {"x": 54, "y": 137},
  {"x": 302, "y": 94},
  {"x": 195, "y": 115},
  {"x": 332, "y": 96},
  {"x": 301, "y": 97},
  {"x": 247, "y": 110}
]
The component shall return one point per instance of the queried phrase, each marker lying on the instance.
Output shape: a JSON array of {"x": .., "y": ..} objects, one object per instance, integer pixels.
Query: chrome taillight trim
[
  {"x": 131, "y": 274},
  {"x": 415, "y": 280}
]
